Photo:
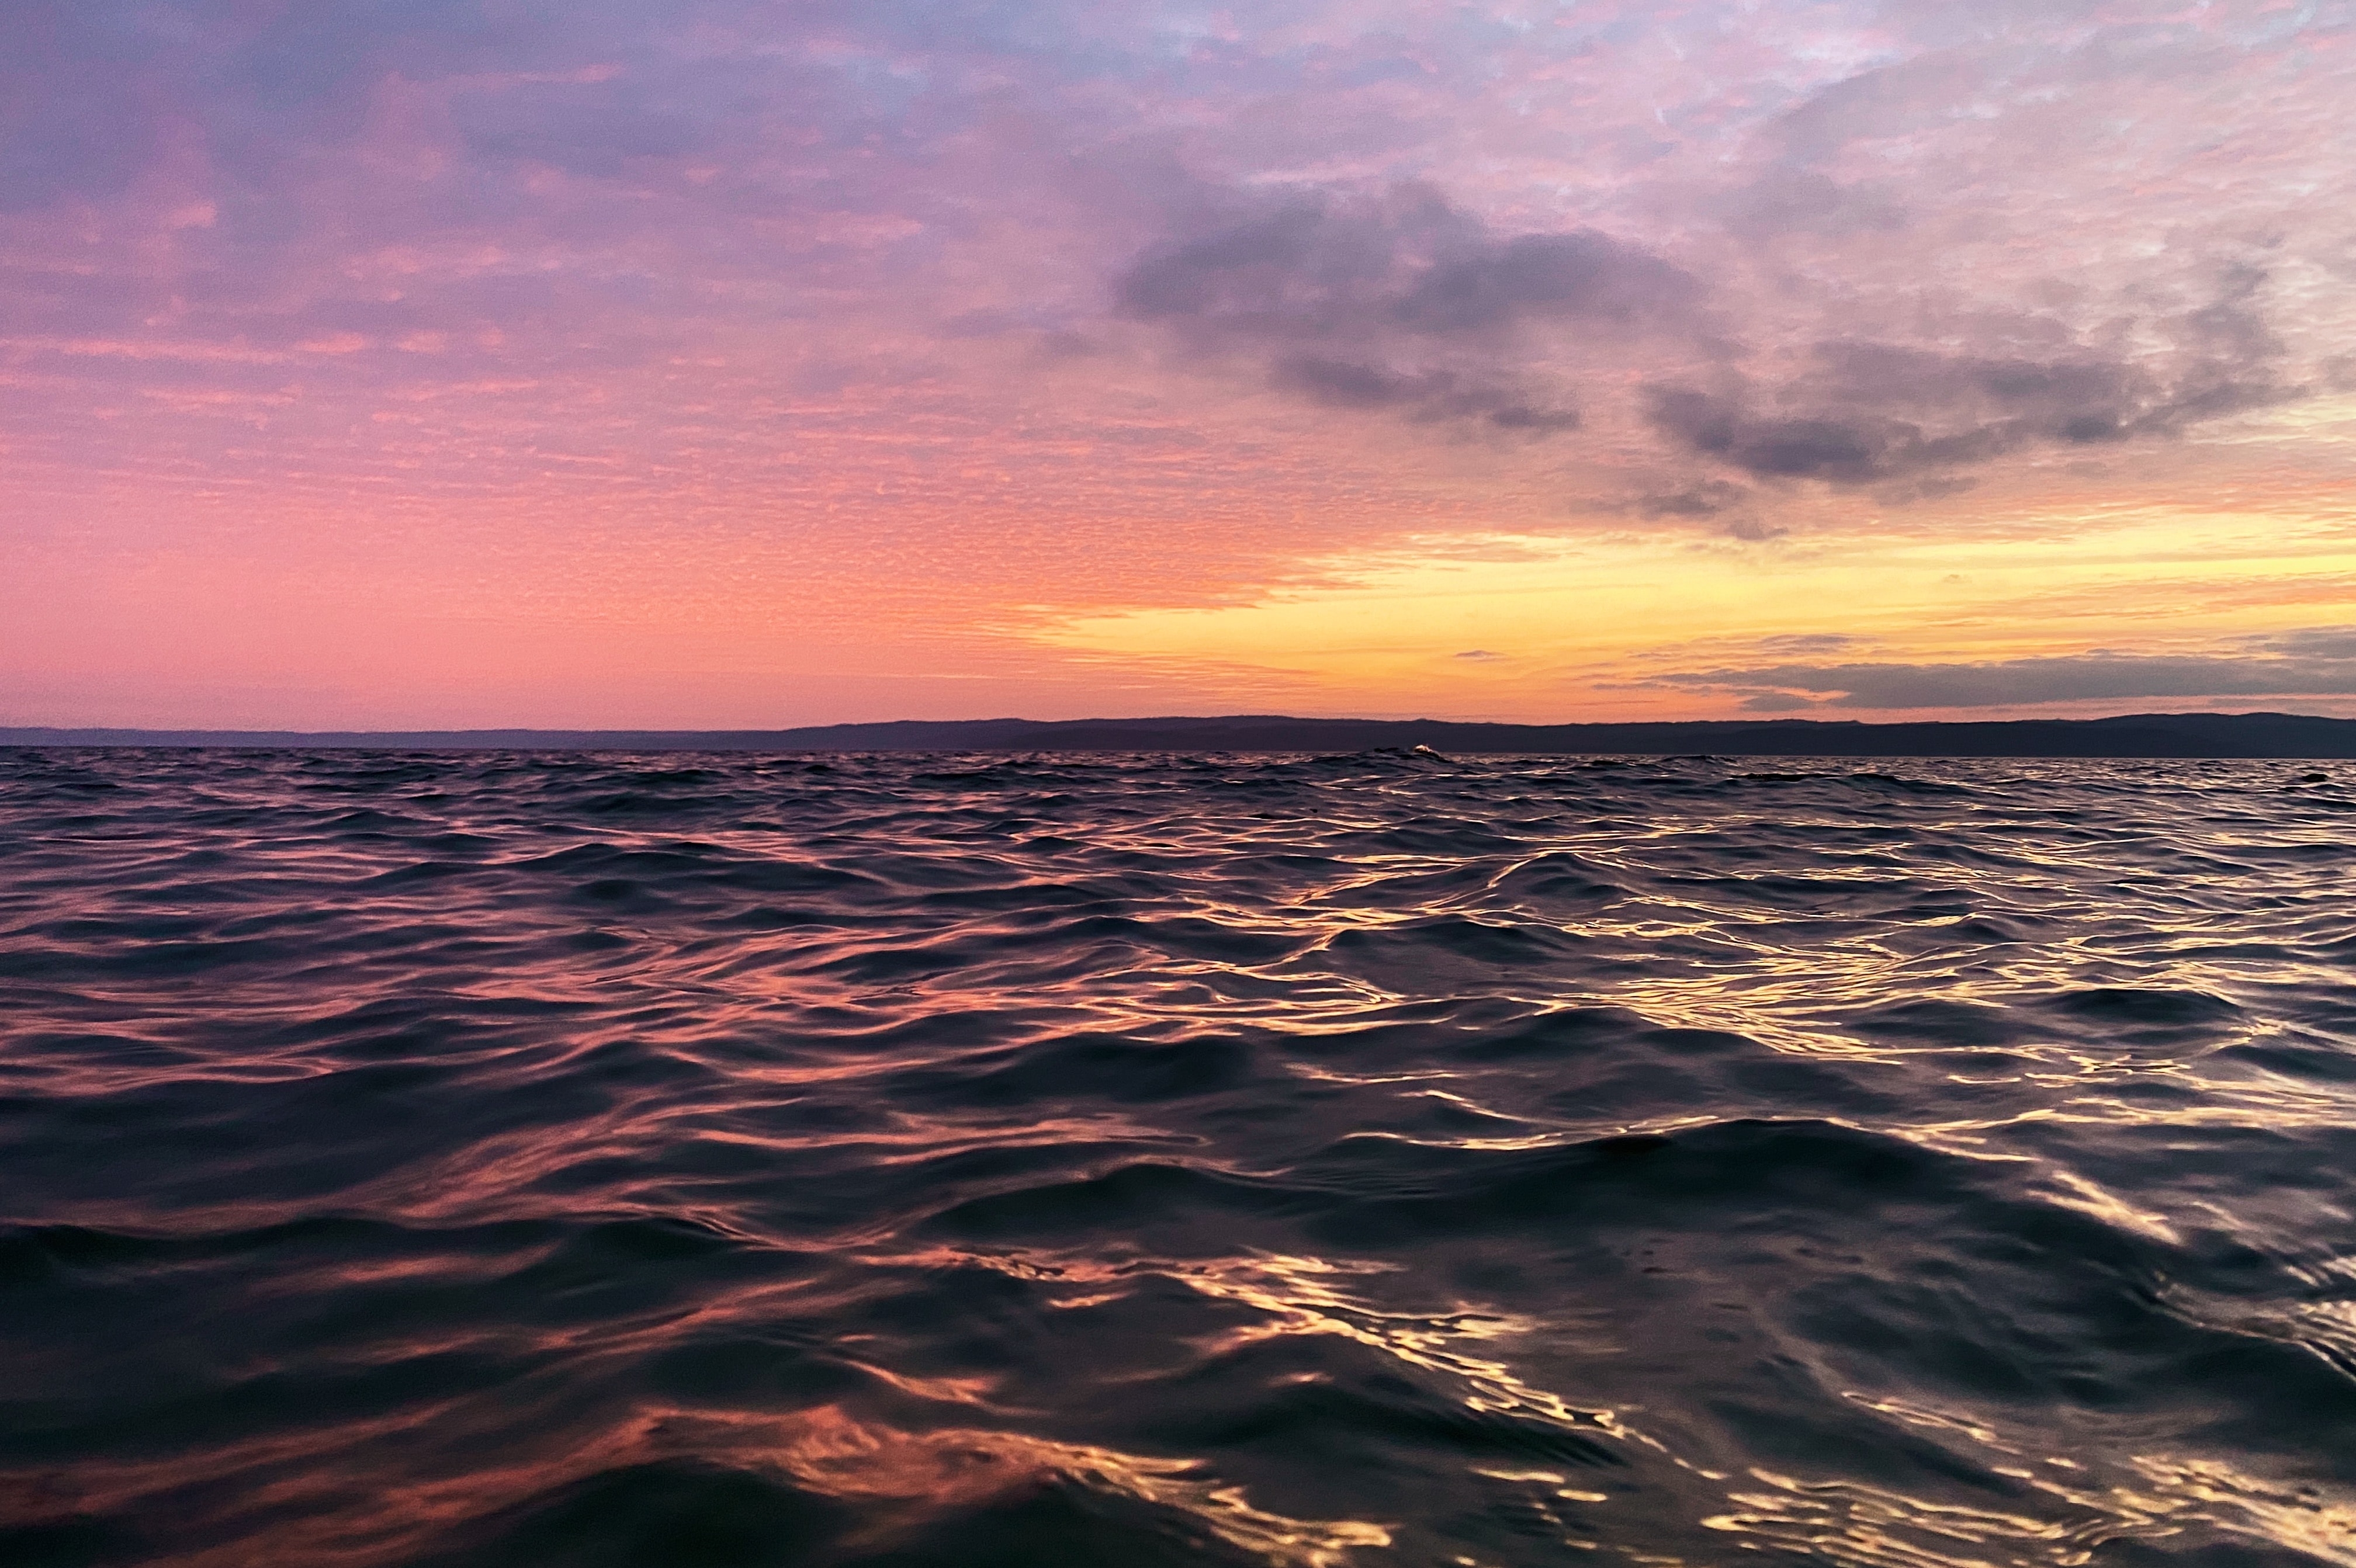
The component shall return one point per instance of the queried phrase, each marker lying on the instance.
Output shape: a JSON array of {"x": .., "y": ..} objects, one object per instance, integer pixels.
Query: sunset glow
[{"x": 463, "y": 363}]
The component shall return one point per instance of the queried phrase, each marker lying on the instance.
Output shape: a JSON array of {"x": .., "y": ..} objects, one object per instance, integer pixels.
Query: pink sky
[{"x": 483, "y": 362}]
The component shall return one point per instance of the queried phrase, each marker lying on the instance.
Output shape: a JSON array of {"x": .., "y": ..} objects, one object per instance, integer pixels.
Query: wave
[{"x": 499, "y": 1157}]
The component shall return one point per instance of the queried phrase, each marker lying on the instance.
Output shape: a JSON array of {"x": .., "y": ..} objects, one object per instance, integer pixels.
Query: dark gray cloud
[
  {"x": 1317, "y": 268},
  {"x": 1401, "y": 302},
  {"x": 2311, "y": 642},
  {"x": 1843, "y": 450},
  {"x": 1711, "y": 499},
  {"x": 1406, "y": 304},
  {"x": 2320, "y": 662},
  {"x": 1579, "y": 276},
  {"x": 1429, "y": 396},
  {"x": 1868, "y": 412}
]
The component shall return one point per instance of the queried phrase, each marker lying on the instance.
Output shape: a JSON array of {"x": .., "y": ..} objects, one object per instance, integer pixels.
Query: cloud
[
  {"x": 1895, "y": 99},
  {"x": 1398, "y": 301},
  {"x": 2314, "y": 642},
  {"x": 1404, "y": 301},
  {"x": 1801, "y": 644},
  {"x": 1605, "y": 239},
  {"x": 1803, "y": 201},
  {"x": 1869, "y": 411},
  {"x": 1429, "y": 396},
  {"x": 1709, "y": 498},
  {"x": 2319, "y": 663},
  {"x": 1486, "y": 284}
]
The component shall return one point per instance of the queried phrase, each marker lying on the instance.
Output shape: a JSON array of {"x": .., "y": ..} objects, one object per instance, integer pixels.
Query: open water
[{"x": 479, "y": 1160}]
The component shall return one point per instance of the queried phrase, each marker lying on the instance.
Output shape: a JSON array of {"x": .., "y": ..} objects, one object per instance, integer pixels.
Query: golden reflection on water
[
  {"x": 1305, "y": 1295},
  {"x": 1745, "y": 967},
  {"x": 1870, "y": 1527},
  {"x": 2069, "y": 1512},
  {"x": 1874, "y": 1527},
  {"x": 901, "y": 1480},
  {"x": 905, "y": 1478},
  {"x": 1846, "y": 1522}
]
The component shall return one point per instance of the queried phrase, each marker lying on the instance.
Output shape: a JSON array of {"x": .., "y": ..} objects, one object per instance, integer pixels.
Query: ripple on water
[{"x": 551, "y": 1160}]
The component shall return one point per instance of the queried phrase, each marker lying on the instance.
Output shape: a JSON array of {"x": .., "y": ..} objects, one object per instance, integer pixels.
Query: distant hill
[{"x": 2130, "y": 735}]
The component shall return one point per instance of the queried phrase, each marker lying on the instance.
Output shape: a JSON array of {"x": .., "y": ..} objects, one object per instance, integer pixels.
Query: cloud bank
[{"x": 2318, "y": 662}]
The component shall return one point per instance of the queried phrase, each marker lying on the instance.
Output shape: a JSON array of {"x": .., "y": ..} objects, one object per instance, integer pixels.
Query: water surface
[{"x": 474, "y": 1160}]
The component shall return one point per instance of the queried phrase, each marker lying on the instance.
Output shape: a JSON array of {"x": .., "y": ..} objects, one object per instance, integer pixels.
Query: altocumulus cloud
[
  {"x": 1890, "y": 279},
  {"x": 2316, "y": 662},
  {"x": 1402, "y": 302},
  {"x": 1711, "y": 258}
]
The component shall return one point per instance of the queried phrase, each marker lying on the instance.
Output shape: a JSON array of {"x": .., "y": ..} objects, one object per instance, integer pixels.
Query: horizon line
[{"x": 183, "y": 734}]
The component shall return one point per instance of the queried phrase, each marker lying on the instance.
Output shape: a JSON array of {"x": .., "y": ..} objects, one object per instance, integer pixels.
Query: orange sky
[{"x": 743, "y": 365}]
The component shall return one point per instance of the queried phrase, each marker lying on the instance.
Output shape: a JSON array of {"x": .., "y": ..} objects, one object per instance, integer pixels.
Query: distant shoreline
[{"x": 2182, "y": 735}]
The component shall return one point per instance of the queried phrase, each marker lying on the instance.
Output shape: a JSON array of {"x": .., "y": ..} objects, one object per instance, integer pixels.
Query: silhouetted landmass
[{"x": 2130, "y": 735}]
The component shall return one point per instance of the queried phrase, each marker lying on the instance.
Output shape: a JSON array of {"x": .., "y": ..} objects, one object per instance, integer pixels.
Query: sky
[{"x": 721, "y": 364}]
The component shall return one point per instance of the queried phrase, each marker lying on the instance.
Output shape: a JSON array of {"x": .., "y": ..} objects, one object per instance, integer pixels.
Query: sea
[{"x": 666, "y": 1160}]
